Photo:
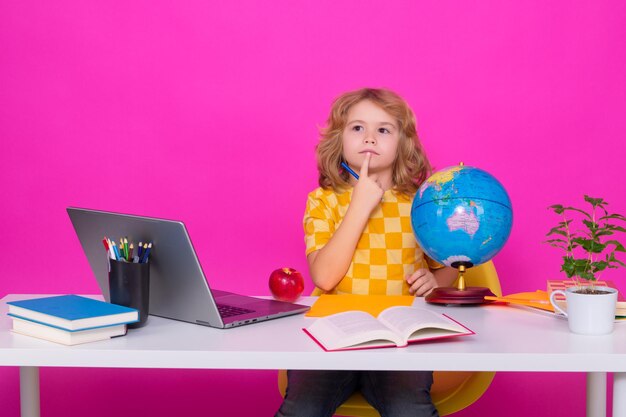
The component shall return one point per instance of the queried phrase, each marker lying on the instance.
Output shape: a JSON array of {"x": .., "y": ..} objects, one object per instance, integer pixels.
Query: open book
[{"x": 396, "y": 326}]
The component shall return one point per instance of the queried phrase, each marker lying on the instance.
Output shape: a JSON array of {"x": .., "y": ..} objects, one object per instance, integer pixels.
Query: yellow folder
[
  {"x": 538, "y": 299},
  {"x": 328, "y": 304}
]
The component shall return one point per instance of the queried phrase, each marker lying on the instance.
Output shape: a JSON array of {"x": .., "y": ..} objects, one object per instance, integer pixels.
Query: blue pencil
[
  {"x": 116, "y": 251},
  {"x": 146, "y": 254},
  {"x": 347, "y": 168}
]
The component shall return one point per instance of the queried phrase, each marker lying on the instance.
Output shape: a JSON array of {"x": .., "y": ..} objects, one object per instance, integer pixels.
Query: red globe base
[{"x": 452, "y": 295}]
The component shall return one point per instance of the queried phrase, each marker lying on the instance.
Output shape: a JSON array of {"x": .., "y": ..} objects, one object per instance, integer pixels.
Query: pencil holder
[{"x": 129, "y": 285}]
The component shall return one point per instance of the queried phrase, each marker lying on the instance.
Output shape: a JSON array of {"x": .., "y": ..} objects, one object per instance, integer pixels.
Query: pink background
[{"x": 207, "y": 112}]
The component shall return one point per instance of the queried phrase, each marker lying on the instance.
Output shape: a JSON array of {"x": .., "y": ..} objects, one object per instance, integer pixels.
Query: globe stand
[{"x": 459, "y": 294}]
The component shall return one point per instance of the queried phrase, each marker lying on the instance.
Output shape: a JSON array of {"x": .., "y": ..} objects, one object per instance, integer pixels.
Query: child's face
[{"x": 370, "y": 129}]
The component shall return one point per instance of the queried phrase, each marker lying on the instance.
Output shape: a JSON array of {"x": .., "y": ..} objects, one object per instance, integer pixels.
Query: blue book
[{"x": 72, "y": 312}]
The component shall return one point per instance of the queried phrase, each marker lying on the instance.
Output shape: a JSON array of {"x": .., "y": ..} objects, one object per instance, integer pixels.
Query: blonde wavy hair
[{"x": 411, "y": 166}]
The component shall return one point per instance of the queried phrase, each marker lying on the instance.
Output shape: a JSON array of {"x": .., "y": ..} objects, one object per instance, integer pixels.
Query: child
[{"x": 359, "y": 241}]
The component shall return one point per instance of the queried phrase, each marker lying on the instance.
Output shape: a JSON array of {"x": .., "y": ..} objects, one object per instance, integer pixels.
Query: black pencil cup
[{"x": 129, "y": 285}]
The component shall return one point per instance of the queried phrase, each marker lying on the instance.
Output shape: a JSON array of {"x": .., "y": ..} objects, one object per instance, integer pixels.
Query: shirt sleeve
[
  {"x": 432, "y": 264},
  {"x": 318, "y": 223}
]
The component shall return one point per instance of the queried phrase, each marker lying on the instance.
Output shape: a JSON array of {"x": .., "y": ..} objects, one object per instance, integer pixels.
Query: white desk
[{"x": 507, "y": 339}]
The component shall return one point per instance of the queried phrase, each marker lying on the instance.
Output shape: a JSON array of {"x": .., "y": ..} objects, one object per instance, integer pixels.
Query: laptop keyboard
[{"x": 229, "y": 311}]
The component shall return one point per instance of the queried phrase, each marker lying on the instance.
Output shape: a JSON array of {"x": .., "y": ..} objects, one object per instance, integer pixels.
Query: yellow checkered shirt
[{"x": 387, "y": 250}]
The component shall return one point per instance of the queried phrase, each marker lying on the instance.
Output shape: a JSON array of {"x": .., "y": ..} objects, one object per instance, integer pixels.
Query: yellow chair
[{"x": 452, "y": 391}]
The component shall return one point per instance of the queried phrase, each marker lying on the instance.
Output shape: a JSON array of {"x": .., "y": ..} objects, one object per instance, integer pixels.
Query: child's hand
[
  {"x": 421, "y": 282},
  {"x": 368, "y": 192}
]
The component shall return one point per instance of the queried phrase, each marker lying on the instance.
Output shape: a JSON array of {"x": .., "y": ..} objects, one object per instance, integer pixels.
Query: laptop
[{"x": 179, "y": 289}]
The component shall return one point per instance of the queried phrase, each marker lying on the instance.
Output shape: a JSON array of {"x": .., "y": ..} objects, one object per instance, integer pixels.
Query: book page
[
  {"x": 414, "y": 323},
  {"x": 351, "y": 328}
]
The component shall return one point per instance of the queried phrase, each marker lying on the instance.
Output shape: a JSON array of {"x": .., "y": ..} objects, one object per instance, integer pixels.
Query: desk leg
[
  {"x": 619, "y": 394},
  {"x": 29, "y": 391},
  {"x": 596, "y": 394}
]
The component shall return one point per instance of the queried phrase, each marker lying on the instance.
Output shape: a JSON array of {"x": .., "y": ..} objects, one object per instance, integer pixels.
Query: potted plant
[{"x": 588, "y": 239}]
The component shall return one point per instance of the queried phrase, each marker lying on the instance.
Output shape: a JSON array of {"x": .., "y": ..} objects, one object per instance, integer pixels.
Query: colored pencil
[
  {"x": 111, "y": 251},
  {"x": 117, "y": 252},
  {"x": 350, "y": 170},
  {"x": 146, "y": 254}
]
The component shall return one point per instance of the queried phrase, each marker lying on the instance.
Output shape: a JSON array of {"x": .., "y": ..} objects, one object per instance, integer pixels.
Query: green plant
[{"x": 591, "y": 249}]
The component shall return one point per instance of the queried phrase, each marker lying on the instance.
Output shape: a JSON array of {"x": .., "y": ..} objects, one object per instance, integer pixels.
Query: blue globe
[{"x": 461, "y": 215}]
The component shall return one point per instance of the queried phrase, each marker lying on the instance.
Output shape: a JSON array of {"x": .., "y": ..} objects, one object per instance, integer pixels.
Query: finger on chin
[{"x": 365, "y": 165}]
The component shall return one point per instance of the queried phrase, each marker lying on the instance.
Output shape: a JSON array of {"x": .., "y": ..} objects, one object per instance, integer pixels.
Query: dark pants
[{"x": 392, "y": 393}]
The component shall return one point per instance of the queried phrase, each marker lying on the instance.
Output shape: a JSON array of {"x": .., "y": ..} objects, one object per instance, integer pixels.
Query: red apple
[{"x": 286, "y": 284}]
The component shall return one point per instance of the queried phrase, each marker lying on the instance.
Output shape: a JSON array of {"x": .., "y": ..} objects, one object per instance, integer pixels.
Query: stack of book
[{"x": 70, "y": 319}]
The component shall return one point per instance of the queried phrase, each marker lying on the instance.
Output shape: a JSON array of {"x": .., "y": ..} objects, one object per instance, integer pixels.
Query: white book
[{"x": 65, "y": 337}]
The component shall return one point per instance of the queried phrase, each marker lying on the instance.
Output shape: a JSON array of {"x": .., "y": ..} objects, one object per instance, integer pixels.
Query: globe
[{"x": 461, "y": 216}]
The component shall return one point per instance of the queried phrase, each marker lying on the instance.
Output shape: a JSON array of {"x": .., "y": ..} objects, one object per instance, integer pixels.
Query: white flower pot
[{"x": 589, "y": 314}]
